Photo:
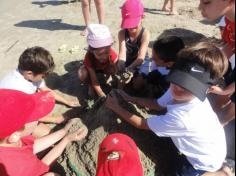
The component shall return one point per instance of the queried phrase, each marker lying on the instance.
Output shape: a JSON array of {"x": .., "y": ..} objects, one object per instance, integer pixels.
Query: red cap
[
  {"x": 118, "y": 156},
  {"x": 132, "y": 13},
  {"x": 18, "y": 108}
]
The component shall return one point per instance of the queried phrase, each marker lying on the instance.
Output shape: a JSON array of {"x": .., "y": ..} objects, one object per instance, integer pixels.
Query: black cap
[{"x": 192, "y": 77}]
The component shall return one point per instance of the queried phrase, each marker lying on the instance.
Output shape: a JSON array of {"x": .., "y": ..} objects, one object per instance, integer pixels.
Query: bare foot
[
  {"x": 175, "y": 12},
  {"x": 84, "y": 33},
  {"x": 165, "y": 9}
]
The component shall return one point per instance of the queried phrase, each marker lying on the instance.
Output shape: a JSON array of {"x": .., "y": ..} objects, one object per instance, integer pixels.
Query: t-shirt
[
  {"x": 163, "y": 70},
  {"x": 92, "y": 62},
  {"x": 21, "y": 161},
  {"x": 229, "y": 34},
  {"x": 195, "y": 130},
  {"x": 16, "y": 81}
]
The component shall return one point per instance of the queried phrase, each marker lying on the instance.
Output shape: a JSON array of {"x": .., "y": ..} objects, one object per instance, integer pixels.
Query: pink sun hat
[
  {"x": 99, "y": 36},
  {"x": 132, "y": 13}
]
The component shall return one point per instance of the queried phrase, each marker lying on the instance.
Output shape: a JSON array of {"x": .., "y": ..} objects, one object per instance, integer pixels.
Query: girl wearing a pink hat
[{"x": 133, "y": 38}]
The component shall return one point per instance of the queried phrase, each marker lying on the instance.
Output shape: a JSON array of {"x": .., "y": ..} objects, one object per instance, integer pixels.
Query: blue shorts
[{"x": 186, "y": 169}]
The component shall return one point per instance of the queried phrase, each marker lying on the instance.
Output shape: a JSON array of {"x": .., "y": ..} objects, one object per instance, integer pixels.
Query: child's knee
[
  {"x": 83, "y": 74},
  {"x": 85, "y": 3}
]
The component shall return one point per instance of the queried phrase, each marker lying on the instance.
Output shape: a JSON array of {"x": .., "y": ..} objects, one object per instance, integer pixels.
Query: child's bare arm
[
  {"x": 151, "y": 104},
  {"x": 59, "y": 98},
  {"x": 142, "y": 51},
  {"x": 59, "y": 148},
  {"x": 138, "y": 122},
  {"x": 219, "y": 91},
  {"x": 122, "y": 45},
  {"x": 49, "y": 140},
  {"x": 95, "y": 84}
]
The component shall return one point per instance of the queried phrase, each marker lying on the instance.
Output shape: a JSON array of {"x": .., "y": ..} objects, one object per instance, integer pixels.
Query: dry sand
[{"x": 52, "y": 24}]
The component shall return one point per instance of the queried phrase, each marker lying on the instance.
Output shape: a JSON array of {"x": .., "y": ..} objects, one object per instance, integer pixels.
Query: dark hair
[
  {"x": 209, "y": 56},
  {"x": 36, "y": 59},
  {"x": 167, "y": 48}
]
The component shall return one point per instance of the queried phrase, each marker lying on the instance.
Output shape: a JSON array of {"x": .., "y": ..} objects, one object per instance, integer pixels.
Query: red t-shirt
[
  {"x": 229, "y": 34},
  {"x": 21, "y": 161},
  {"x": 92, "y": 62}
]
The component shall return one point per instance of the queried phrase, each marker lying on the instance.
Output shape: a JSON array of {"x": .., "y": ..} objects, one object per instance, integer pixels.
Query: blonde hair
[{"x": 209, "y": 56}]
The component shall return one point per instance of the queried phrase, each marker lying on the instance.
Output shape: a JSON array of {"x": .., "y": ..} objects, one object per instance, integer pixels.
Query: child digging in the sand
[
  {"x": 34, "y": 65},
  {"x": 18, "y": 153},
  {"x": 100, "y": 58},
  {"x": 190, "y": 121}
]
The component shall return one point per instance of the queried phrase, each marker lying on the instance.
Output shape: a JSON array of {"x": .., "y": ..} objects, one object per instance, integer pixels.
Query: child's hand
[
  {"x": 78, "y": 135},
  {"x": 73, "y": 103},
  {"x": 70, "y": 123},
  {"x": 217, "y": 90},
  {"x": 112, "y": 101},
  {"x": 124, "y": 95}
]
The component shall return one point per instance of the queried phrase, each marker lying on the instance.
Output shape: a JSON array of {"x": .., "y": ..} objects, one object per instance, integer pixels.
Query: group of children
[{"x": 185, "y": 76}]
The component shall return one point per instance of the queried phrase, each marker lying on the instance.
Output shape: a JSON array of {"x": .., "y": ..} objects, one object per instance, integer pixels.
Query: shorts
[{"x": 186, "y": 169}]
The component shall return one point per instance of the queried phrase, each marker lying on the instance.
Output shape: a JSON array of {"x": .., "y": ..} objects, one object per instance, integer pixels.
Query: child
[
  {"x": 34, "y": 65},
  {"x": 133, "y": 38},
  {"x": 172, "y": 9},
  {"x": 213, "y": 10},
  {"x": 100, "y": 58},
  {"x": 86, "y": 8},
  {"x": 164, "y": 55},
  {"x": 190, "y": 120},
  {"x": 117, "y": 153},
  {"x": 17, "y": 153}
]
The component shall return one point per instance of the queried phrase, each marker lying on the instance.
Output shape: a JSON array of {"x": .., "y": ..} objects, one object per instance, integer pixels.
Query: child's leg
[
  {"x": 83, "y": 74},
  {"x": 100, "y": 11},
  {"x": 86, "y": 14},
  {"x": 165, "y": 6},
  {"x": 53, "y": 119},
  {"x": 41, "y": 130},
  {"x": 173, "y": 10}
]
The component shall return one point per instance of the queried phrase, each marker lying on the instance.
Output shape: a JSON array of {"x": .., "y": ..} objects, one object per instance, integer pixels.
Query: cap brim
[
  {"x": 186, "y": 81},
  {"x": 130, "y": 23},
  {"x": 100, "y": 43},
  {"x": 44, "y": 103}
]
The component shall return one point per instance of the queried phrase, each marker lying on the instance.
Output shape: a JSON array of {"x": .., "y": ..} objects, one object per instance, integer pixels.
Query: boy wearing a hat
[
  {"x": 17, "y": 153},
  {"x": 190, "y": 121},
  {"x": 100, "y": 58}
]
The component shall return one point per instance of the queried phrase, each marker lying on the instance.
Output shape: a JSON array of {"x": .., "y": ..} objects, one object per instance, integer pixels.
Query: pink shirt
[{"x": 21, "y": 161}]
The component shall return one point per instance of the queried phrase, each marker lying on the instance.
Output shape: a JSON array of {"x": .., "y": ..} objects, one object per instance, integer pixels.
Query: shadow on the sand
[
  {"x": 43, "y": 4},
  {"x": 50, "y": 25},
  {"x": 155, "y": 11}
]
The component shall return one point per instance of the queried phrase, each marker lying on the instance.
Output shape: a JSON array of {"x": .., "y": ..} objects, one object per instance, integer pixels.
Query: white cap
[{"x": 99, "y": 36}]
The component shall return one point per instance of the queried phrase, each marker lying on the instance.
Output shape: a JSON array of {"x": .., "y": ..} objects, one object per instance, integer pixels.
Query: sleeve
[
  {"x": 114, "y": 56},
  {"x": 28, "y": 140},
  {"x": 165, "y": 99},
  {"x": 87, "y": 61},
  {"x": 166, "y": 126}
]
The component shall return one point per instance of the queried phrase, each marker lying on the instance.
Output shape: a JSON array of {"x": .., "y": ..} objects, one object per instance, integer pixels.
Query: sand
[{"x": 57, "y": 24}]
